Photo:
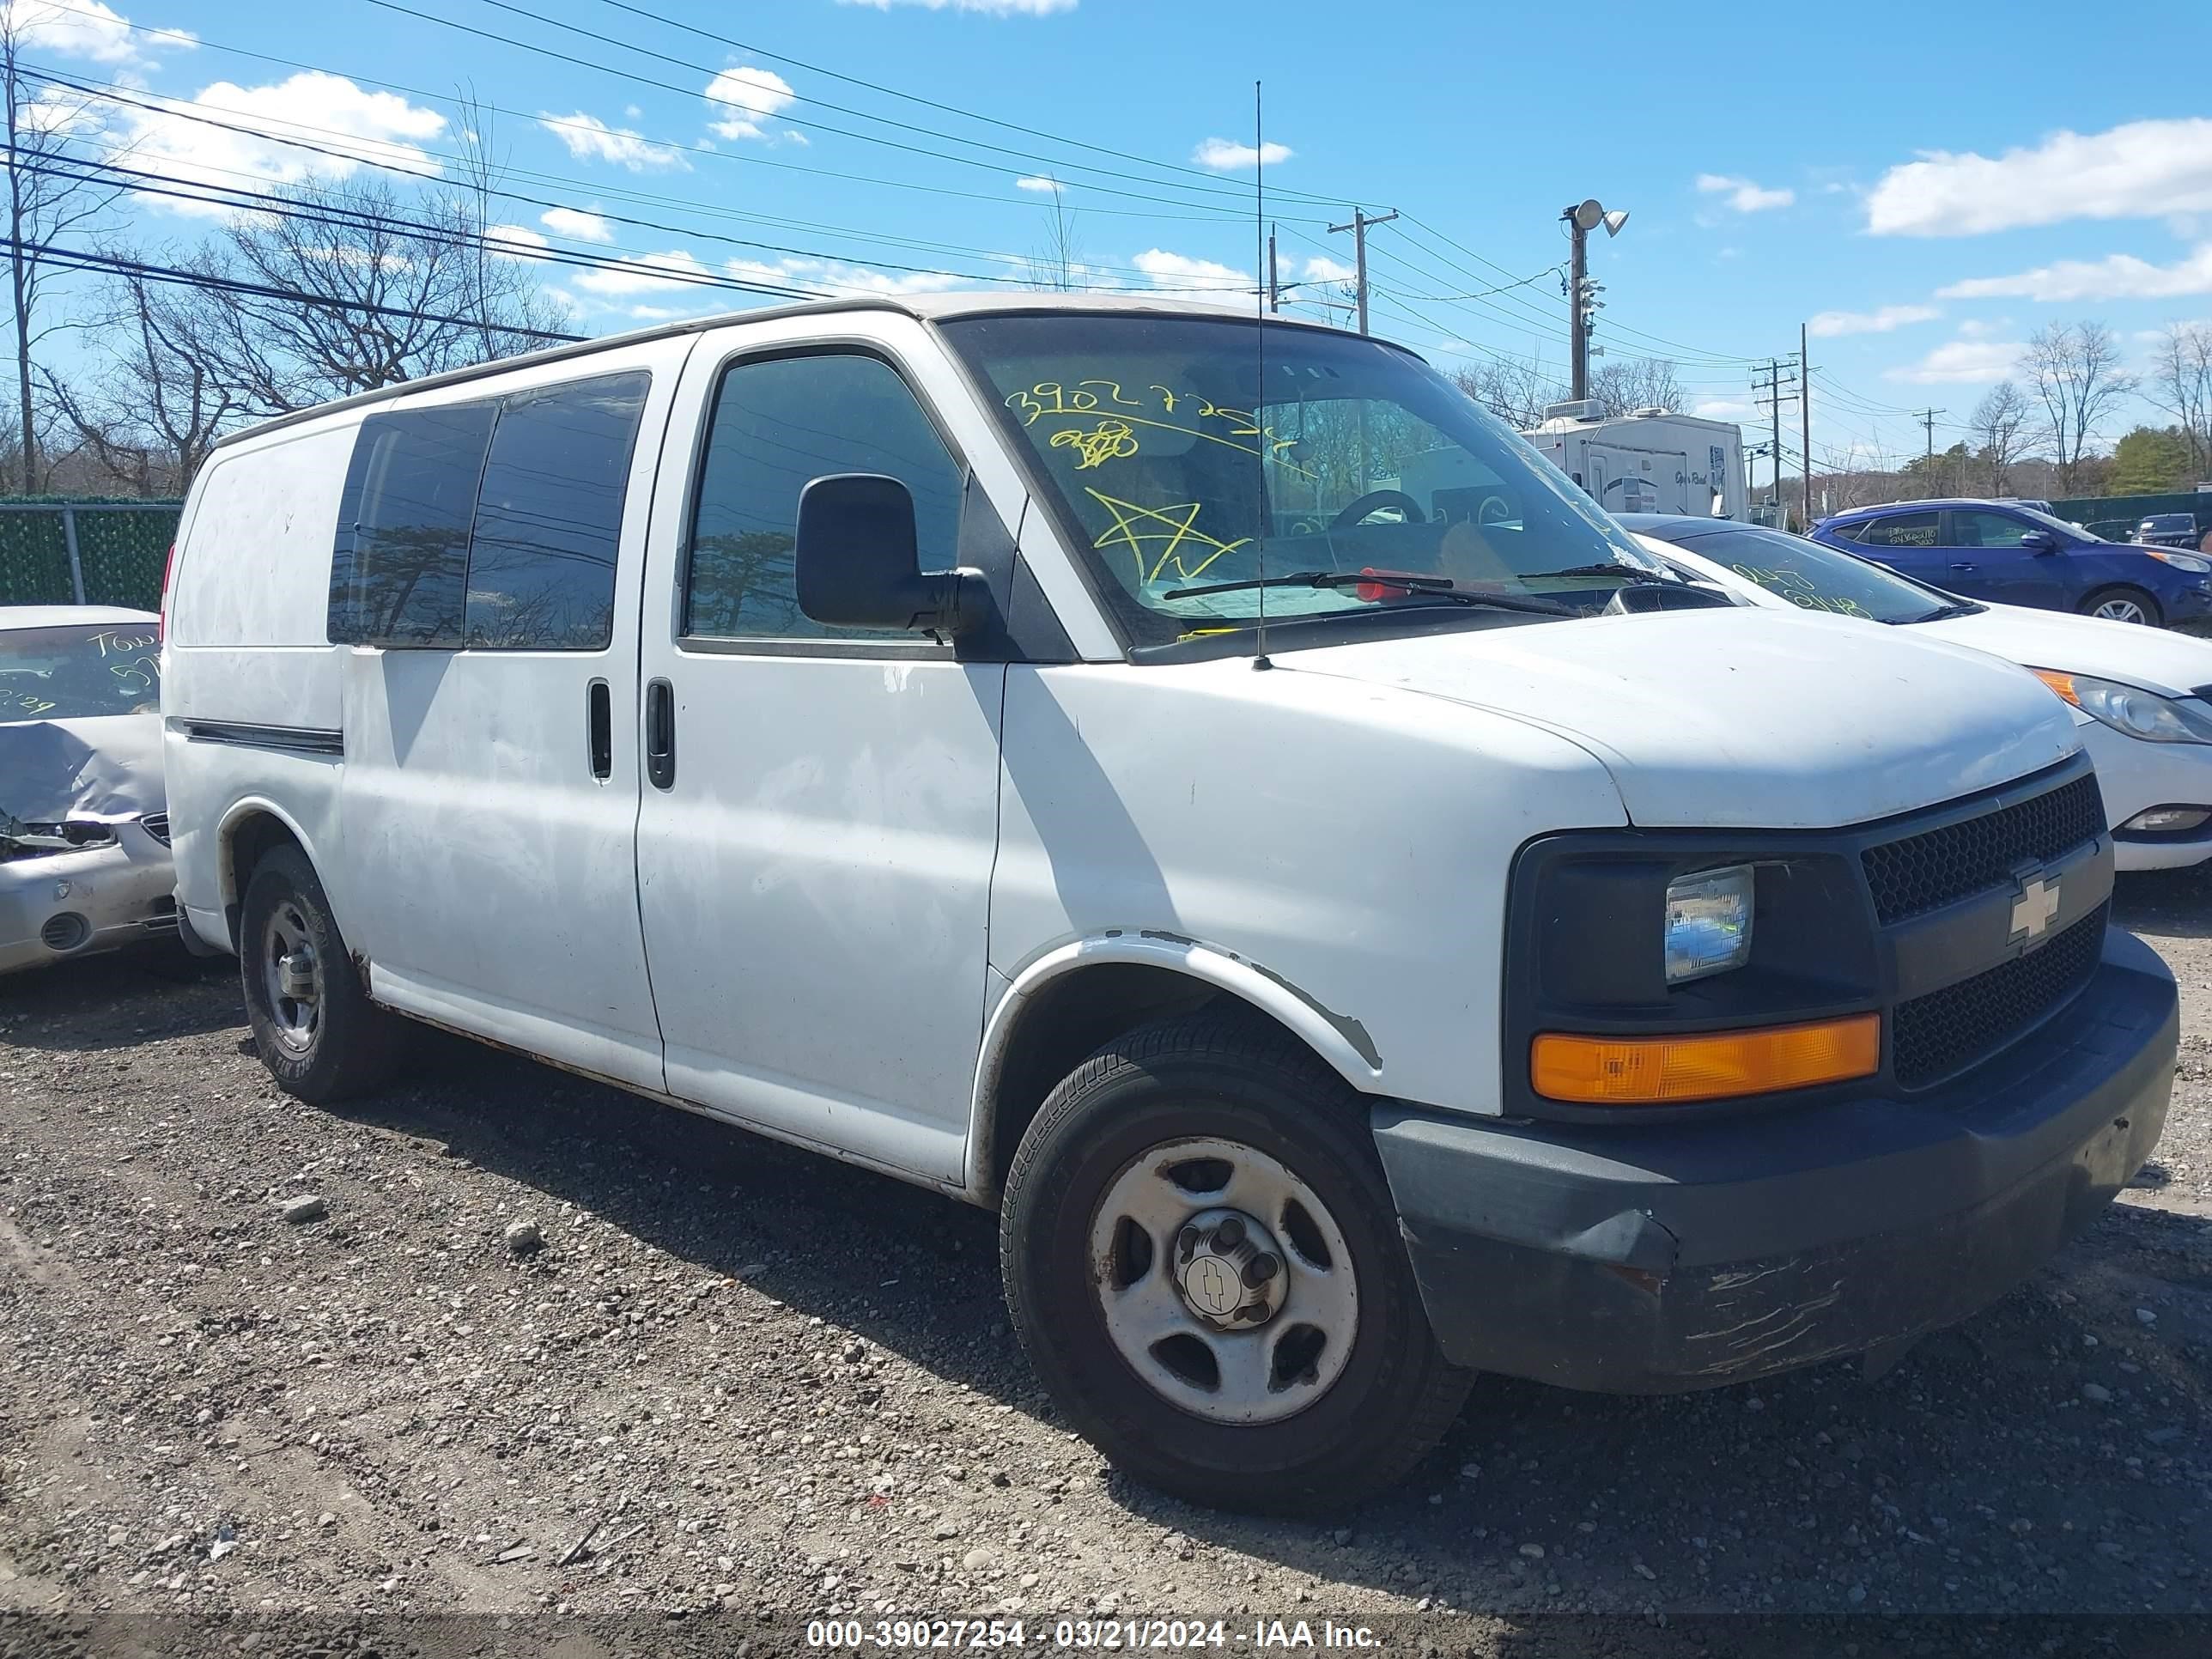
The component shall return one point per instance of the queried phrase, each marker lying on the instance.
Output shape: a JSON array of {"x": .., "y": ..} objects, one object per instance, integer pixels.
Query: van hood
[{"x": 1742, "y": 718}]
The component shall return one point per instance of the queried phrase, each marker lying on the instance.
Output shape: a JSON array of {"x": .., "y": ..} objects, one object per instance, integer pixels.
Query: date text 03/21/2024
[{"x": 1086, "y": 1634}]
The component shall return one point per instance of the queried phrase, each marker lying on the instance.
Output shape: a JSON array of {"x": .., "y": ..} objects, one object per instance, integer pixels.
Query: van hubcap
[
  {"x": 1222, "y": 1281},
  {"x": 293, "y": 978}
]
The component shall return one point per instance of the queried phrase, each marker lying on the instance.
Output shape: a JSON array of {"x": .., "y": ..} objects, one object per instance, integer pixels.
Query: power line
[{"x": 172, "y": 274}]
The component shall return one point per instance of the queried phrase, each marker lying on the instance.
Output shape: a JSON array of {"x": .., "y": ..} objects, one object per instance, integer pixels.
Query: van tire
[
  {"x": 1237, "y": 1084},
  {"x": 349, "y": 1045},
  {"x": 2144, "y": 607}
]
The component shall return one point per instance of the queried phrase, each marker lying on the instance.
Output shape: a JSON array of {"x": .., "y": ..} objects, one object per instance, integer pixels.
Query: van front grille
[
  {"x": 1937, "y": 1036},
  {"x": 1928, "y": 871}
]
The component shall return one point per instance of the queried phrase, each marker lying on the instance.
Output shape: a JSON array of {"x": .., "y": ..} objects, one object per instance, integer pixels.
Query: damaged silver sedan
[{"x": 84, "y": 834}]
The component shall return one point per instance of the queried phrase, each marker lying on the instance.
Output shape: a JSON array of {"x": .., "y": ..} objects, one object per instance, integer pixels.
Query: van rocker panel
[{"x": 1659, "y": 1258}]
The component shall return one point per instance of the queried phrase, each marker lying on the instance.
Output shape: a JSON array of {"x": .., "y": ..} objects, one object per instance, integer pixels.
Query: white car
[
  {"x": 854, "y": 720},
  {"x": 2140, "y": 695},
  {"x": 84, "y": 840}
]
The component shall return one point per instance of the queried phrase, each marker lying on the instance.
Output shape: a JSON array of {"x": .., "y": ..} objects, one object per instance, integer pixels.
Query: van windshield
[
  {"x": 1188, "y": 450},
  {"x": 77, "y": 669}
]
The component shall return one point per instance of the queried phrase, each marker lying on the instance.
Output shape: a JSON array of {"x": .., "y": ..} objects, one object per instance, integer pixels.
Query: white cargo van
[{"x": 856, "y": 722}]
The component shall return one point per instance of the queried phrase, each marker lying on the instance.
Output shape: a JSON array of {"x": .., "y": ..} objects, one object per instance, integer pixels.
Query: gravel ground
[{"x": 747, "y": 1386}]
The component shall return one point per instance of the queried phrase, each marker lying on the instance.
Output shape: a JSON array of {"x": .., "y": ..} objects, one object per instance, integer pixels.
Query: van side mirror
[
  {"x": 857, "y": 566},
  {"x": 2038, "y": 541}
]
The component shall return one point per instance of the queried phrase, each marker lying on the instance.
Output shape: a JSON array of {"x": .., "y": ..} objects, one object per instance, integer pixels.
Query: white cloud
[
  {"x": 88, "y": 29},
  {"x": 1038, "y": 182},
  {"x": 2116, "y": 276},
  {"x": 1181, "y": 271},
  {"x": 832, "y": 277},
  {"x": 995, "y": 7},
  {"x": 588, "y": 139},
  {"x": 682, "y": 269},
  {"x": 1320, "y": 267},
  {"x": 1965, "y": 362},
  {"x": 1227, "y": 155},
  {"x": 576, "y": 224},
  {"x": 1830, "y": 324},
  {"x": 1743, "y": 195},
  {"x": 381, "y": 128},
  {"x": 2141, "y": 170},
  {"x": 514, "y": 241},
  {"x": 743, "y": 97},
  {"x": 1720, "y": 408}
]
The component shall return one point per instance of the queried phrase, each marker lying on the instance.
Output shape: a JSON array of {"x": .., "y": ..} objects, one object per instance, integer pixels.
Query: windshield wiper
[
  {"x": 1627, "y": 573},
  {"x": 1945, "y": 612},
  {"x": 1427, "y": 587}
]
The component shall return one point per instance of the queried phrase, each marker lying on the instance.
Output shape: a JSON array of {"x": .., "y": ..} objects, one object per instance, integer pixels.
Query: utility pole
[
  {"x": 1771, "y": 387},
  {"x": 1358, "y": 226},
  {"x": 1805, "y": 428},
  {"x": 1274, "y": 287}
]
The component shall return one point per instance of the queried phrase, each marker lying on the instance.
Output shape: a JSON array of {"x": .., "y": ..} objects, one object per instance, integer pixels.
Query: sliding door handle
[
  {"x": 661, "y": 734},
  {"x": 600, "y": 730}
]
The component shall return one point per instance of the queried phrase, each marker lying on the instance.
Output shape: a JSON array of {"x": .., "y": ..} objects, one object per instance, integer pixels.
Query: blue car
[{"x": 2012, "y": 554}]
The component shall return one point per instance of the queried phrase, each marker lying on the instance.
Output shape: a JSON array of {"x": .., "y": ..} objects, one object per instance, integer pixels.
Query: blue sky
[{"x": 1927, "y": 184}]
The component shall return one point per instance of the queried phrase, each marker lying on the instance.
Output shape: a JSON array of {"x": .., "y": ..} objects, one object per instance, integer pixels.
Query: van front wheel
[
  {"x": 320, "y": 1037},
  {"x": 1202, "y": 1260}
]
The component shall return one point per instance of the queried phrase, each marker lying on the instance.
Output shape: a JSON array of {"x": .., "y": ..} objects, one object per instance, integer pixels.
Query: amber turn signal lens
[
  {"x": 1599, "y": 1071},
  {"x": 2061, "y": 684}
]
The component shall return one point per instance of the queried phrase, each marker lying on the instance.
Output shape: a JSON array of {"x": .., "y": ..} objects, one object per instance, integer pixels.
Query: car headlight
[
  {"x": 2189, "y": 561},
  {"x": 1708, "y": 923},
  {"x": 2131, "y": 709}
]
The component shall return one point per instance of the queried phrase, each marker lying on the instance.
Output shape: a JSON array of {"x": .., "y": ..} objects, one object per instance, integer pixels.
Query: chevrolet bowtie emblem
[{"x": 2036, "y": 908}]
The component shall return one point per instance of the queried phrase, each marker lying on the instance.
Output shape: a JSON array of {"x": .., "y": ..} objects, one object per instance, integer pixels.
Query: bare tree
[
  {"x": 152, "y": 416},
  {"x": 1996, "y": 424},
  {"x": 2181, "y": 381},
  {"x": 1512, "y": 388},
  {"x": 1058, "y": 263},
  {"x": 2075, "y": 371},
  {"x": 1629, "y": 384},
  {"x": 53, "y": 189},
  {"x": 349, "y": 287}
]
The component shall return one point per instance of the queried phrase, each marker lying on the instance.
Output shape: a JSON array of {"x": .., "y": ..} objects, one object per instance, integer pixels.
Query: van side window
[
  {"x": 777, "y": 426},
  {"x": 400, "y": 571},
  {"x": 548, "y": 517},
  {"x": 492, "y": 525}
]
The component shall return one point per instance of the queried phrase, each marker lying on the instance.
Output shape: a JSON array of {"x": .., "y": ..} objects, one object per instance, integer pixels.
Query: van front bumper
[{"x": 1661, "y": 1258}]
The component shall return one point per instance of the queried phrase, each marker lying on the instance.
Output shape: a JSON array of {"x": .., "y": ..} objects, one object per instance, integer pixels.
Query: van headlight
[
  {"x": 1708, "y": 923},
  {"x": 2131, "y": 709}
]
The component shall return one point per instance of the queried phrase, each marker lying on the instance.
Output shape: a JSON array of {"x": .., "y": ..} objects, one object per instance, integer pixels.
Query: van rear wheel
[
  {"x": 1202, "y": 1260},
  {"x": 320, "y": 1037}
]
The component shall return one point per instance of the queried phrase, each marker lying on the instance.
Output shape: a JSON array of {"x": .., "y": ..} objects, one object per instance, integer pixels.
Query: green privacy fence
[
  {"x": 2118, "y": 515},
  {"x": 85, "y": 552}
]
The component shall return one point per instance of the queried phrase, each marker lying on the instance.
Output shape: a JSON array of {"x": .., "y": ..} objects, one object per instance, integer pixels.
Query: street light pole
[{"x": 1581, "y": 298}]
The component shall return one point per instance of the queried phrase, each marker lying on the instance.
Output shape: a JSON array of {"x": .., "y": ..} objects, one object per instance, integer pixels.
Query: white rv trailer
[{"x": 1650, "y": 461}]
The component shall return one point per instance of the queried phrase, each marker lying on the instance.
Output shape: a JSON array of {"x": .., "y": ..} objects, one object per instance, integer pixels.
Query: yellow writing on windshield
[
  {"x": 1055, "y": 399},
  {"x": 1109, "y": 441},
  {"x": 1797, "y": 587},
  {"x": 1170, "y": 533}
]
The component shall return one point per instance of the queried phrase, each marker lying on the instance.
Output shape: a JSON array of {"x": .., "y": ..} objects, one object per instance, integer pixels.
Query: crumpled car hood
[{"x": 103, "y": 768}]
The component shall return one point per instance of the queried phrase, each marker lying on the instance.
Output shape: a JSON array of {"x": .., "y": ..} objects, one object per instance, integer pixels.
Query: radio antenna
[{"x": 1260, "y": 368}]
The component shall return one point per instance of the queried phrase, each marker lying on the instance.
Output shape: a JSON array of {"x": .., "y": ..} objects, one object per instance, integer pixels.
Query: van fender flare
[
  {"x": 1339, "y": 1039},
  {"x": 226, "y": 830}
]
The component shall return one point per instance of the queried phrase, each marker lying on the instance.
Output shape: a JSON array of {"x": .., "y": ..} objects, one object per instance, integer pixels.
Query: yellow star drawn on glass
[{"x": 1143, "y": 529}]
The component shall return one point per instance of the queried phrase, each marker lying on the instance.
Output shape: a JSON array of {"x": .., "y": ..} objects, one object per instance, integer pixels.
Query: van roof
[{"x": 927, "y": 307}]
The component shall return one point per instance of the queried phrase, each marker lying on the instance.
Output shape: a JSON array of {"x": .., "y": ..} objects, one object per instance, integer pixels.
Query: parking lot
[{"x": 735, "y": 1377}]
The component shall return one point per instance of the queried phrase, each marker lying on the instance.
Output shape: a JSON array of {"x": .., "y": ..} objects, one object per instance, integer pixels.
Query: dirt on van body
[{"x": 547, "y": 1351}]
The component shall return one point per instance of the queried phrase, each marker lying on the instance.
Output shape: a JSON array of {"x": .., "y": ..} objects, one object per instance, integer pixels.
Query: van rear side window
[{"x": 490, "y": 524}]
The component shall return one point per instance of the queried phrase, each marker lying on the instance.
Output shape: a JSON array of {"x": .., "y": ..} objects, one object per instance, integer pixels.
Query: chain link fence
[{"x": 85, "y": 552}]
